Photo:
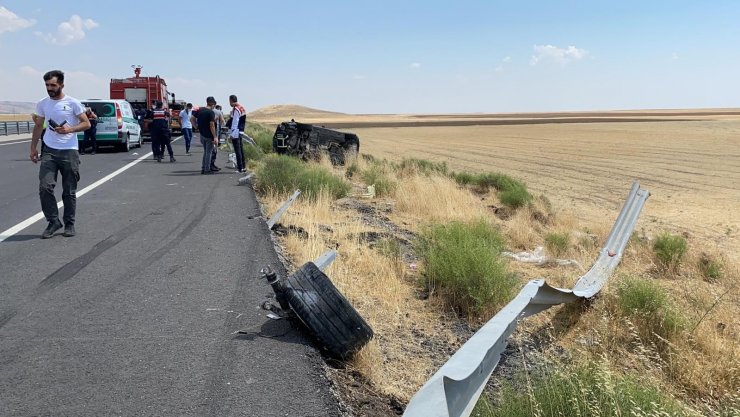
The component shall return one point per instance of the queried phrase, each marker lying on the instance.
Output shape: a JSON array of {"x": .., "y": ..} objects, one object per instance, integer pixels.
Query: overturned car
[{"x": 308, "y": 142}]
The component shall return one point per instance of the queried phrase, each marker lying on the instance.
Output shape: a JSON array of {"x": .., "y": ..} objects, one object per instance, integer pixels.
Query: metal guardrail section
[
  {"x": 454, "y": 390},
  {"x": 16, "y": 128},
  {"x": 275, "y": 217}
]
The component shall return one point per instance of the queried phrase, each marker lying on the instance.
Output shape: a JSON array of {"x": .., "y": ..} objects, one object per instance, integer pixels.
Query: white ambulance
[{"x": 116, "y": 126}]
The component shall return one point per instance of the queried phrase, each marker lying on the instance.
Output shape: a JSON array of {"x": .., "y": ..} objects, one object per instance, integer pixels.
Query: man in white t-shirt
[
  {"x": 186, "y": 125},
  {"x": 65, "y": 116}
]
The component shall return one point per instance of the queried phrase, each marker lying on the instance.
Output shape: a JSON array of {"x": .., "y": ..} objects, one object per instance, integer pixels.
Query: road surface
[{"x": 139, "y": 313}]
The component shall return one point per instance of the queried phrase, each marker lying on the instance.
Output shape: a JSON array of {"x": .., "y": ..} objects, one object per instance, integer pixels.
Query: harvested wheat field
[
  {"x": 692, "y": 168},
  {"x": 688, "y": 159}
]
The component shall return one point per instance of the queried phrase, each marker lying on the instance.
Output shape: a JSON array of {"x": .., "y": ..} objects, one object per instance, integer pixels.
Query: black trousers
[
  {"x": 54, "y": 162},
  {"x": 239, "y": 151},
  {"x": 166, "y": 142},
  {"x": 158, "y": 136}
]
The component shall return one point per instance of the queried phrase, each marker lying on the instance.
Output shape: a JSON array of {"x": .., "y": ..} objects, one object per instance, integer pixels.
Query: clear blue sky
[{"x": 386, "y": 56}]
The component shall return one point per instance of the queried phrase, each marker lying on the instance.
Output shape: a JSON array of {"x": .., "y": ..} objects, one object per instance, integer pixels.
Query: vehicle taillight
[{"x": 119, "y": 117}]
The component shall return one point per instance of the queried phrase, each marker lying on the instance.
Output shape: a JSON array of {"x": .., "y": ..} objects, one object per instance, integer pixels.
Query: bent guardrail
[{"x": 455, "y": 388}]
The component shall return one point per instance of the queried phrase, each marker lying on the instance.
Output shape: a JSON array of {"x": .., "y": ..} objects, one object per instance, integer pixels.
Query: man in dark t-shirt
[{"x": 206, "y": 119}]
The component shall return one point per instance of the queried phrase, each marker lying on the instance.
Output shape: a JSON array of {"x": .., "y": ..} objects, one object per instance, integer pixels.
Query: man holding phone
[{"x": 65, "y": 117}]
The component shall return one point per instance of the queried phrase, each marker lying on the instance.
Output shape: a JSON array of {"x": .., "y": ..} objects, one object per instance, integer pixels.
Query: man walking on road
[
  {"x": 66, "y": 116},
  {"x": 186, "y": 124},
  {"x": 207, "y": 129},
  {"x": 236, "y": 125}
]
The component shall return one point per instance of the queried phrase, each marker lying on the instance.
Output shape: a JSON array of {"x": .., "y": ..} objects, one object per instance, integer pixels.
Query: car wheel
[
  {"x": 323, "y": 309},
  {"x": 127, "y": 146}
]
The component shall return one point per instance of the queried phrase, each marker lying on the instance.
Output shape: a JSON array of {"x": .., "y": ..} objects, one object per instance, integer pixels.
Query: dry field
[
  {"x": 15, "y": 117},
  {"x": 688, "y": 159},
  {"x": 691, "y": 168}
]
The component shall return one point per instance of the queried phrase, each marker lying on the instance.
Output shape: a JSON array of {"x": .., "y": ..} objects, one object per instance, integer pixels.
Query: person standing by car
[
  {"x": 158, "y": 129},
  {"x": 65, "y": 116},
  {"x": 90, "y": 134},
  {"x": 206, "y": 121},
  {"x": 237, "y": 122},
  {"x": 186, "y": 124}
]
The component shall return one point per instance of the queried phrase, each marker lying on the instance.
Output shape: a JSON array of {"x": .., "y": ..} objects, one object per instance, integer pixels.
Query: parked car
[{"x": 116, "y": 126}]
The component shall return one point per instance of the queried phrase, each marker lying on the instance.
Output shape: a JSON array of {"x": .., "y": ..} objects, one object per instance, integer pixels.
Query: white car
[{"x": 116, "y": 126}]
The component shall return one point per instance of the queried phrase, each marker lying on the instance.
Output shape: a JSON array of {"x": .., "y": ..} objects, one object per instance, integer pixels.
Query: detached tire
[{"x": 325, "y": 311}]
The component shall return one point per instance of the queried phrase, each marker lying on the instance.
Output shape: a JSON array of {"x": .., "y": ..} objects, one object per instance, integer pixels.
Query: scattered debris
[{"x": 538, "y": 257}]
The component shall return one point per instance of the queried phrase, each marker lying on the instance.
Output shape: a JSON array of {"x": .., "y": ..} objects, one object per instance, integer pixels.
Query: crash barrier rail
[
  {"x": 454, "y": 390},
  {"x": 15, "y": 128}
]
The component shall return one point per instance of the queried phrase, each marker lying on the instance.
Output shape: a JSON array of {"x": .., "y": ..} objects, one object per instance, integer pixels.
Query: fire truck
[{"x": 141, "y": 92}]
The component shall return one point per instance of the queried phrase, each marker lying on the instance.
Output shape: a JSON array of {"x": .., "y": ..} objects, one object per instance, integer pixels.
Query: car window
[{"x": 102, "y": 109}]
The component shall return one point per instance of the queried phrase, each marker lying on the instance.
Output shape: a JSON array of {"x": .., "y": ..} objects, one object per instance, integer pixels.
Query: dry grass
[
  {"x": 15, "y": 117},
  {"x": 414, "y": 336}
]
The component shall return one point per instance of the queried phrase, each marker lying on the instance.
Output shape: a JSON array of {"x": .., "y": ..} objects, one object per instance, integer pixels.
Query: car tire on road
[{"x": 323, "y": 309}]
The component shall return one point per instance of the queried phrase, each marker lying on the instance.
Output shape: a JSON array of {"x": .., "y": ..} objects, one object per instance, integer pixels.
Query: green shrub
[
  {"x": 710, "y": 269},
  {"x": 462, "y": 261},
  {"x": 583, "y": 391},
  {"x": 557, "y": 243},
  {"x": 284, "y": 174},
  {"x": 649, "y": 307},
  {"x": 376, "y": 175},
  {"x": 262, "y": 135},
  {"x": 463, "y": 178},
  {"x": 423, "y": 166},
  {"x": 352, "y": 170},
  {"x": 252, "y": 153},
  {"x": 669, "y": 249},
  {"x": 511, "y": 193}
]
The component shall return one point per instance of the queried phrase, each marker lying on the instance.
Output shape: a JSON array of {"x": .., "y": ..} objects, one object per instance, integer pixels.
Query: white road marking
[
  {"x": 40, "y": 215},
  {"x": 13, "y": 143}
]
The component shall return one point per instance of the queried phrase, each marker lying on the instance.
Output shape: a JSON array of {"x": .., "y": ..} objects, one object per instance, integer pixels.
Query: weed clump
[
  {"x": 648, "y": 305},
  {"x": 376, "y": 175},
  {"x": 462, "y": 261},
  {"x": 512, "y": 193},
  {"x": 588, "y": 390},
  {"x": 557, "y": 243},
  {"x": 283, "y": 174},
  {"x": 710, "y": 268},
  {"x": 669, "y": 249},
  {"x": 422, "y": 166}
]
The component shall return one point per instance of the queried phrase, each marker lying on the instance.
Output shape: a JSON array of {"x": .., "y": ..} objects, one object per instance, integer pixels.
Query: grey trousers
[
  {"x": 208, "y": 148},
  {"x": 53, "y": 162}
]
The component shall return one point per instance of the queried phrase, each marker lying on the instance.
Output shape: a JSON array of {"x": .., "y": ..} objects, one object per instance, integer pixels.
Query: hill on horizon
[
  {"x": 17, "y": 107},
  {"x": 287, "y": 111}
]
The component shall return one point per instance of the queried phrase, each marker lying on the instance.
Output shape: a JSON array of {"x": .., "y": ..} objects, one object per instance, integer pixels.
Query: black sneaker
[
  {"x": 215, "y": 168},
  {"x": 51, "y": 229},
  {"x": 172, "y": 159},
  {"x": 69, "y": 230}
]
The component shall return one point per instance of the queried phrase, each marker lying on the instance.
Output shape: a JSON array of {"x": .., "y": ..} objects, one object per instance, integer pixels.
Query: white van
[{"x": 117, "y": 125}]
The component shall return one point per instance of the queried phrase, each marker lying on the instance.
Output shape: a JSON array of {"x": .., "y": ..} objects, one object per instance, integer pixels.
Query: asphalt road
[{"x": 137, "y": 315}]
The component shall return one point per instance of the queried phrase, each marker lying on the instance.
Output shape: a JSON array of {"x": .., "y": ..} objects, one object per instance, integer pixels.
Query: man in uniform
[
  {"x": 158, "y": 129},
  {"x": 65, "y": 116}
]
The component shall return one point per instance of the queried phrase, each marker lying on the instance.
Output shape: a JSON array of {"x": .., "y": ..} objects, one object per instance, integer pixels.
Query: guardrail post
[
  {"x": 326, "y": 259},
  {"x": 275, "y": 217}
]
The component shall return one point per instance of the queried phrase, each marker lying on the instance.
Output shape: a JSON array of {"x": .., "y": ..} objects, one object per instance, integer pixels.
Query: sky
[{"x": 385, "y": 56}]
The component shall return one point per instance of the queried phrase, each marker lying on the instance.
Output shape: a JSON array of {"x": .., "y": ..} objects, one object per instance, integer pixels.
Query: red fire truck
[{"x": 141, "y": 92}]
